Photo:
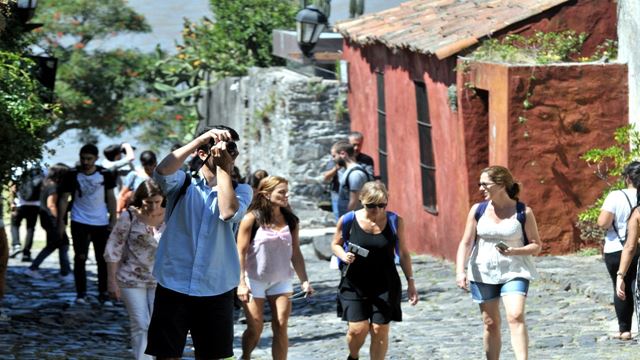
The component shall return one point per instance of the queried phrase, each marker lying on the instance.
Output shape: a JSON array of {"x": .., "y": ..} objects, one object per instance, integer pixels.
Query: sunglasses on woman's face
[{"x": 373, "y": 206}]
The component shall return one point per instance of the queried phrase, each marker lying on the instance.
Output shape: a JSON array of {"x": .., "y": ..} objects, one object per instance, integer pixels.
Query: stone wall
[{"x": 287, "y": 123}]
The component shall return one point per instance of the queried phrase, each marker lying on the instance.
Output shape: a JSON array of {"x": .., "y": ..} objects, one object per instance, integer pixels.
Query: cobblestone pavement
[{"x": 569, "y": 316}]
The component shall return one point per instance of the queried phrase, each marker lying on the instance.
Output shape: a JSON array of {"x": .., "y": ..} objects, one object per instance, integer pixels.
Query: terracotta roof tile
[{"x": 440, "y": 27}]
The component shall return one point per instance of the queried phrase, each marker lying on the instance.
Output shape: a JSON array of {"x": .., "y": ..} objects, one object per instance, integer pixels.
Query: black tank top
[{"x": 376, "y": 273}]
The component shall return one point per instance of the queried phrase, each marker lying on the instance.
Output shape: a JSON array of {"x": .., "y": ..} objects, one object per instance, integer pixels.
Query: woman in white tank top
[{"x": 498, "y": 249}]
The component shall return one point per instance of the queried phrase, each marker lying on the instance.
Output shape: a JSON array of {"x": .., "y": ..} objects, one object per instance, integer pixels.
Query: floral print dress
[{"x": 133, "y": 244}]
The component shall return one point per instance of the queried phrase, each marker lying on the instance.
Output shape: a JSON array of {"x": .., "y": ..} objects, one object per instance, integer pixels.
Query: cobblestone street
[{"x": 568, "y": 317}]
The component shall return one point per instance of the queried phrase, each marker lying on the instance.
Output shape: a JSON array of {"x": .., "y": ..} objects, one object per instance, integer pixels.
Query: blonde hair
[{"x": 373, "y": 192}]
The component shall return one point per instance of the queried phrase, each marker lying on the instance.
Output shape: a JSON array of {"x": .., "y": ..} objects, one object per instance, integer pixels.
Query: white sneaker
[
  {"x": 107, "y": 303},
  {"x": 35, "y": 274}
]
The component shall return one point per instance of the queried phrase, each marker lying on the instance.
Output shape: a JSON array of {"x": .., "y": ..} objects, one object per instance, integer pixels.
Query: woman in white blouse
[
  {"x": 498, "y": 244},
  {"x": 130, "y": 254}
]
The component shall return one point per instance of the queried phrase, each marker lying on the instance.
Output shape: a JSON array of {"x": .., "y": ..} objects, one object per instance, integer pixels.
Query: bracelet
[
  {"x": 409, "y": 278},
  {"x": 620, "y": 274}
]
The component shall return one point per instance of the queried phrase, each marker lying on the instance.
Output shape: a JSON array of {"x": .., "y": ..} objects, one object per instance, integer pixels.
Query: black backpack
[{"x": 31, "y": 186}]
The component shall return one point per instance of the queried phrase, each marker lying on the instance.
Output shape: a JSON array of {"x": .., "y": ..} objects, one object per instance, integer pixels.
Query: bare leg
[
  {"x": 254, "y": 311},
  {"x": 514, "y": 306},
  {"x": 379, "y": 341},
  {"x": 280, "y": 310},
  {"x": 491, "y": 335},
  {"x": 356, "y": 335}
]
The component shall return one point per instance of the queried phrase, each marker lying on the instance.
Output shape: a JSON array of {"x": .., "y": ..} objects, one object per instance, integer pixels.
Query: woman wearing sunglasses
[
  {"x": 370, "y": 289},
  {"x": 499, "y": 247},
  {"x": 268, "y": 246},
  {"x": 130, "y": 254}
]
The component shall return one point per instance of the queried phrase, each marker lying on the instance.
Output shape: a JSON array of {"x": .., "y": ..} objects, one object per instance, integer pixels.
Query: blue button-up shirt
[{"x": 197, "y": 253}]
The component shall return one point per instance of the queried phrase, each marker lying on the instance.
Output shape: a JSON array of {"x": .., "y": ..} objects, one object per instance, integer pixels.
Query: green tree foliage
[
  {"x": 608, "y": 165},
  {"x": 97, "y": 89},
  {"x": 238, "y": 39},
  {"x": 23, "y": 117}
]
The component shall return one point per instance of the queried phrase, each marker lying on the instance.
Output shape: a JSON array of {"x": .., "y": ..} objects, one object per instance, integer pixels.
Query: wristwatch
[{"x": 620, "y": 274}]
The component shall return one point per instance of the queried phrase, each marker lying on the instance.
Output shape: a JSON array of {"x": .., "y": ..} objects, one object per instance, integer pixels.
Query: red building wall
[
  {"x": 461, "y": 144},
  {"x": 436, "y": 234}
]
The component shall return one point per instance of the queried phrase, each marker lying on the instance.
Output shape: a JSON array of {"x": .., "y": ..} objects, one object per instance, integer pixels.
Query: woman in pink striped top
[{"x": 268, "y": 246}]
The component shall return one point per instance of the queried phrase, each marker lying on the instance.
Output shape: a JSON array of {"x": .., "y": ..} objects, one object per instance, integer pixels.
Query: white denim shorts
[{"x": 262, "y": 289}]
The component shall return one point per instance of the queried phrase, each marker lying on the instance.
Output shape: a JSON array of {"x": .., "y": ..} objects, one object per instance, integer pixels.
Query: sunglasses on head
[{"x": 373, "y": 206}]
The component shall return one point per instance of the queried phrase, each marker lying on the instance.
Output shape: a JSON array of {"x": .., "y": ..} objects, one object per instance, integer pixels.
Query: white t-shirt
[
  {"x": 617, "y": 204},
  {"x": 90, "y": 208}
]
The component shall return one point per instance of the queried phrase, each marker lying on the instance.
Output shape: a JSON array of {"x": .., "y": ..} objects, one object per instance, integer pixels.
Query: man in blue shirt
[{"x": 197, "y": 264}]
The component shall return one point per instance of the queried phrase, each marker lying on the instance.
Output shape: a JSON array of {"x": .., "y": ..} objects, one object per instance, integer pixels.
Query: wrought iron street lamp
[{"x": 310, "y": 22}]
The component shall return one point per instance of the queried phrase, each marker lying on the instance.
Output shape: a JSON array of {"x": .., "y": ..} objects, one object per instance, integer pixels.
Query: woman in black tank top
[{"x": 370, "y": 291}]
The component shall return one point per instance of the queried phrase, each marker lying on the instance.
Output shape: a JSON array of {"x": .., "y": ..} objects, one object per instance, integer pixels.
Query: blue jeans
[
  {"x": 334, "y": 205},
  {"x": 481, "y": 292},
  {"x": 50, "y": 225}
]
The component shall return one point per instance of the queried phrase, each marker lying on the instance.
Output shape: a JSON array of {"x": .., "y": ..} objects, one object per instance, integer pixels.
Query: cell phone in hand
[
  {"x": 357, "y": 250},
  {"x": 502, "y": 246}
]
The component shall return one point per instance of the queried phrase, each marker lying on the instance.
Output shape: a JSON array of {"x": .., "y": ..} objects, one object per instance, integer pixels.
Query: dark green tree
[
  {"x": 24, "y": 119},
  {"x": 97, "y": 89}
]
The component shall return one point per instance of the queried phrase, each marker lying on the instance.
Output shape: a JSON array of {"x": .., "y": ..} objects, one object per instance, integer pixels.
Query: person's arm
[
  {"x": 112, "y": 283},
  {"x": 172, "y": 162},
  {"x": 534, "y": 246},
  {"x": 356, "y": 180},
  {"x": 332, "y": 170},
  {"x": 338, "y": 243},
  {"x": 464, "y": 249},
  {"x": 354, "y": 200},
  {"x": 123, "y": 198},
  {"x": 628, "y": 252},
  {"x": 297, "y": 260},
  {"x": 111, "y": 207},
  {"x": 227, "y": 200},
  {"x": 113, "y": 252},
  {"x": 605, "y": 219},
  {"x": 52, "y": 201},
  {"x": 129, "y": 154},
  {"x": 63, "y": 204},
  {"x": 244, "y": 240},
  {"x": 405, "y": 264}
]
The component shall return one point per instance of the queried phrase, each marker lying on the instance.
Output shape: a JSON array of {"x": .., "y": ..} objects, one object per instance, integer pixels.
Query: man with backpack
[
  {"x": 332, "y": 171},
  {"x": 351, "y": 179},
  {"x": 93, "y": 214},
  {"x": 25, "y": 206}
]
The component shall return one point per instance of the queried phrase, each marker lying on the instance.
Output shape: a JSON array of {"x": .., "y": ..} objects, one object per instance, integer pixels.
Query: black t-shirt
[{"x": 48, "y": 188}]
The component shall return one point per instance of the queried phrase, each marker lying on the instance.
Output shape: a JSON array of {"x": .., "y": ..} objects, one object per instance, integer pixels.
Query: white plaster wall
[{"x": 629, "y": 51}]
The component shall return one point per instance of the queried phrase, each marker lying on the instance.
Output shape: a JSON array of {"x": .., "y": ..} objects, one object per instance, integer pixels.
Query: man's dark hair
[
  {"x": 176, "y": 146},
  {"x": 111, "y": 151},
  {"x": 89, "y": 149},
  {"x": 148, "y": 158},
  {"x": 344, "y": 146},
  {"x": 206, "y": 147}
]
